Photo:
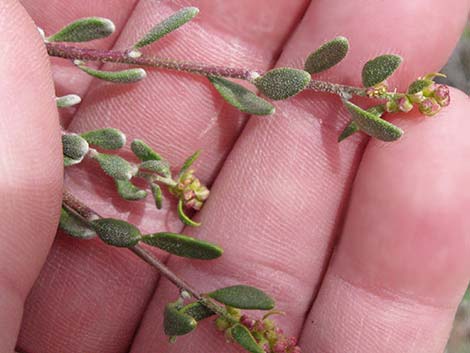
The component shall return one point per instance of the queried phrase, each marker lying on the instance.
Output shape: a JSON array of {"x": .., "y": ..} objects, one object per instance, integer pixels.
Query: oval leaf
[
  {"x": 182, "y": 245},
  {"x": 379, "y": 69},
  {"x": 74, "y": 226},
  {"x": 245, "y": 339},
  {"x": 372, "y": 125},
  {"x": 84, "y": 30},
  {"x": 129, "y": 191},
  {"x": 74, "y": 147},
  {"x": 168, "y": 25},
  {"x": 243, "y": 297},
  {"x": 176, "y": 323},
  {"x": 116, "y": 232},
  {"x": 157, "y": 195},
  {"x": 114, "y": 166},
  {"x": 418, "y": 86},
  {"x": 328, "y": 55},
  {"x": 160, "y": 167},
  {"x": 184, "y": 217},
  {"x": 107, "y": 138},
  {"x": 241, "y": 98},
  {"x": 67, "y": 101},
  {"x": 197, "y": 310},
  {"x": 124, "y": 76},
  {"x": 143, "y": 151},
  {"x": 282, "y": 83}
]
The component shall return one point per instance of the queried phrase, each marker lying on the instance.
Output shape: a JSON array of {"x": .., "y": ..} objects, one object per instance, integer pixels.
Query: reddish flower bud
[
  {"x": 247, "y": 321},
  {"x": 280, "y": 347},
  {"x": 429, "y": 107},
  {"x": 404, "y": 104},
  {"x": 442, "y": 95}
]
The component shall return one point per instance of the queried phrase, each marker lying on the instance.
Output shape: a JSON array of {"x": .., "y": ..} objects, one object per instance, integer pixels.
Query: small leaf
[
  {"x": 352, "y": 127},
  {"x": 168, "y": 25},
  {"x": 379, "y": 69},
  {"x": 69, "y": 161},
  {"x": 189, "y": 162},
  {"x": 176, "y": 323},
  {"x": 67, "y": 101},
  {"x": 160, "y": 167},
  {"x": 241, "y": 98},
  {"x": 328, "y": 55},
  {"x": 157, "y": 195},
  {"x": 373, "y": 125},
  {"x": 114, "y": 166},
  {"x": 197, "y": 310},
  {"x": 129, "y": 191},
  {"x": 349, "y": 130},
  {"x": 107, "y": 138},
  {"x": 243, "y": 297},
  {"x": 124, "y": 76},
  {"x": 84, "y": 30},
  {"x": 143, "y": 151},
  {"x": 182, "y": 245},
  {"x": 74, "y": 226},
  {"x": 184, "y": 218},
  {"x": 116, "y": 232},
  {"x": 245, "y": 339},
  {"x": 282, "y": 83},
  {"x": 74, "y": 147},
  {"x": 418, "y": 86}
]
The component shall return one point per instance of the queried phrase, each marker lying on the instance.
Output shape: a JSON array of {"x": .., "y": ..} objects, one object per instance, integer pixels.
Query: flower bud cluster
[
  {"x": 270, "y": 337},
  {"x": 190, "y": 190},
  {"x": 429, "y": 96}
]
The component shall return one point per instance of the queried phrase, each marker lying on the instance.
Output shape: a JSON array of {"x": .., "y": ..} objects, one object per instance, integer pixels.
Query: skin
[{"x": 364, "y": 244}]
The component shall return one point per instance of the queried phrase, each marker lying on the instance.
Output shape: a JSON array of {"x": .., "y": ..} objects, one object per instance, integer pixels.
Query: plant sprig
[{"x": 255, "y": 335}]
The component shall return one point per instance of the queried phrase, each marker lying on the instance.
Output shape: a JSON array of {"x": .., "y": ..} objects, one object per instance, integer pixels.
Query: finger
[
  {"x": 402, "y": 263},
  {"x": 30, "y": 165},
  {"x": 277, "y": 202},
  {"x": 174, "y": 113},
  {"x": 52, "y": 16}
]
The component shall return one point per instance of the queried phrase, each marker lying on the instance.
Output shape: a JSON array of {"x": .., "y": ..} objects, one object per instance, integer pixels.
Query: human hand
[{"x": 278, "y": 203}]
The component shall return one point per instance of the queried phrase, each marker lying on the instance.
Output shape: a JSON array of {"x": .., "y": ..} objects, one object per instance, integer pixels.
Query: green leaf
[
  {"x": 184, "y": 218},
  {"x": 352, "y": 127},
  {"x": 84, "y": 30},
  {"x": 176, "y": 323},
  {"x": 241, "y": 98},
  {"x": 143, "y": 151},
  {"x": 245, "y": 339},
  {"x": 189, "y": 162},
  {"x": 74, "y": 147},
  {"x": 467, "y": 295},
  {"x": 418, "y": 86},
  {"x": 243, "y": 297},
  {"x": 114, "y": 166},
  {"x": 107, "y": 138},
  {"x": 182, "y": 245},
  {"x": 328, "y": 55},
  {"x": 157, "y": 195},
  {"x": 129, "y": 191},
  {"x": 161, "y": 167},
  {"x": 197, "y": 310},
  {"x": 124, "y": 76},
  {"x": 116, "y": 232},
  {"x": 168, "y": 25},
  {"x": 69, "y": 161},
  {"x": 282, "y": 83},
  {"x": 373, "y": 125},
  {"x": 67, "y": 101},
  {"x": 74, "y": 226},
  {"x": 379, "y": 69},
  {"x": 349, "y": 130}
]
